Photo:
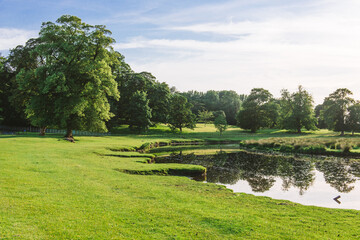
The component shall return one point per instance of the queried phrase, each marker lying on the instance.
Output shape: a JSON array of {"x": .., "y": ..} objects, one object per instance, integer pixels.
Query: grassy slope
[{"x": 52, "y": 189}]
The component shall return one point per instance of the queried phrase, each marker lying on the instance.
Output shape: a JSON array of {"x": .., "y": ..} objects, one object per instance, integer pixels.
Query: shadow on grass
[
  {"x": 31, "y": 135},
  {"x": 36, "y": 135},
  {"x": 233, "y": 133}
]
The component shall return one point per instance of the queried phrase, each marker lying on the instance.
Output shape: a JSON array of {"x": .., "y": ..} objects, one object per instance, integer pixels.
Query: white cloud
[
  {"x": 318, "y": 48},
  {"x": 11, "y": 37}
]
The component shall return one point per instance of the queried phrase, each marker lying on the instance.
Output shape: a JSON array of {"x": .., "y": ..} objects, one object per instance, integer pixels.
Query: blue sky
[{"x": 202, "y": 45}]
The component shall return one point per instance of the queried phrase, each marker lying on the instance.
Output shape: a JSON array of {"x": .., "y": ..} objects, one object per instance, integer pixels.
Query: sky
[{"x": 216, "y": 45}]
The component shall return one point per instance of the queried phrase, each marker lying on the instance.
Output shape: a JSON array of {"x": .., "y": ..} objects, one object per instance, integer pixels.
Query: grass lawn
[{"x": 54, "y": 189}]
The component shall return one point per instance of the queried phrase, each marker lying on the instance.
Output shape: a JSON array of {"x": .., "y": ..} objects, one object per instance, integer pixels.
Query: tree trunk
[
  {"x": 69, "y": 133},
  {"x": 299, "y": 130},
  {"x": 342, "y": 133},
  {"x": 180, "y": 129},
  {"x": 353, "y": 133},
  {"x": 42, "y": 131}
]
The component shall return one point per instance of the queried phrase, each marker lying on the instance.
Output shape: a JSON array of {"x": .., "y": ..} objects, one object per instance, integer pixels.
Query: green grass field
[{"x": 54, "y": 189}]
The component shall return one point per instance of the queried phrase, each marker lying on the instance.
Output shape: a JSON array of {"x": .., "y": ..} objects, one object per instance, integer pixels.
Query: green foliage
[
  {"x": 145, "y": 147},
  {"x": 346, "y": 148},
  {"x": 212, "y": 101},
  {"x": 335, "y": 108},
  {"x": 320, "y": 120},
  {"x": 157, "y": 93},
  {"x": 12, "y": 101},
  {"x": 220, "y": 124},
  {"x": 315, "y": 149},
  {"x": 159, "y": 98},
  {"x": 287, "y": 148},
  {"x": 297, "y": 110},
  {"x": 196, "y": 99},
  {"x": 205, "y": 116},
  {"x": 258, "y": 110},
  {"x": 120, "y": 70},
  {"x": 328, "y": 146},
  {"x": 2, "y": 76},
  {"x": 69, "y": 75},
  {"x": 139, "y": 112},
  {"x": 129, "y": 84},
  {"x": 180, "y": 114},
  {"x": 352, "y": 120},
  {"x": 230, "y": 103}
]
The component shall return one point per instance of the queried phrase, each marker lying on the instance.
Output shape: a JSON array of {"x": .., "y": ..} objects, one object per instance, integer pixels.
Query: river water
[{"x": 318, "y": 181}]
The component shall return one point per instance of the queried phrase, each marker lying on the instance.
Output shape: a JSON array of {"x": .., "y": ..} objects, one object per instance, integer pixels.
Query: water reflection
[
  {"x": 261, "y": 171},
  {"x": 337, "y": 174}
]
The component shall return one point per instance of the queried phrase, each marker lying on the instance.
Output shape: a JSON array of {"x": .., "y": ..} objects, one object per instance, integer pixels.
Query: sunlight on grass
[{"x": 54, "y": 189}]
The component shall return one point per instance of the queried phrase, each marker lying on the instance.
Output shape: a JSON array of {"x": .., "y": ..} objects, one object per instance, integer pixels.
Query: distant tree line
[
  {"x": 228, "y": 102},
  {"x": 293, "y": 111},
  {"x": 69, "y": 77}
]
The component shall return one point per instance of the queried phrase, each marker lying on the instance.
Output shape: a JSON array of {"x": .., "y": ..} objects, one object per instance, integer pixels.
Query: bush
[
  {"x": 346, "y": 148},
  {"x": 330, "y": 144},
  {"x": 338, "y": 146},
  {"x": 145, "y": 147},
  {"x": 277, "y": 145},
  {"x": 242, "y": 144},
  {"x": 287, "y": 148},
  {"x": 317, "y": 149}
]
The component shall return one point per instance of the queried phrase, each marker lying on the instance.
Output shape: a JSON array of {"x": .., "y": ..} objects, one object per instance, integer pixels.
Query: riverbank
[
  {"x": 334, "y": 146},
  {"x": 54, "y": 189}
]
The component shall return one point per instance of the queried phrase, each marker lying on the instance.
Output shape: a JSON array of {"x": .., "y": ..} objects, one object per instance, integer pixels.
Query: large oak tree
[{"x": 72, "y": 77}]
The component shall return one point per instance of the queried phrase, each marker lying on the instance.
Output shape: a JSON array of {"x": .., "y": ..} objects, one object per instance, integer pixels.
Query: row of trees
[
  {"x": 295, "y": 111},
  {"x": 216, "y": 102},
  {"x": 71, "y": 78},
  {"x": 291, "y": 111}
]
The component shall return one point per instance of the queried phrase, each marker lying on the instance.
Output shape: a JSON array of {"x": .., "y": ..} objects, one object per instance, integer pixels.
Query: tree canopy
[
  {"x": 2, "y": 73},
  {"x": 335, "y": 108},
  {"x": 353, "y": 118},
  {"x": 212, "y": 101},
  {"x": 140, "y": 112},
  {"x": 220, "y": 123},
  {"x": 297, "y": 110},
  {"x": 258, "y": 110},
  {"x": 180, "y": 114},
  {"x": 205, "y": 116},
  {"x": 69, "y": 76},
  {"x": 157, "y": 93}
]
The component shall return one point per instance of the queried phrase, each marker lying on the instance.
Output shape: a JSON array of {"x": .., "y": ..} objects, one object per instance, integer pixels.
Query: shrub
[
  {"x": 346, "y": 147},
  {"x": 338, "y": 146},
  {"x": 330, "y": 144},
  {"x": 242, "y": 144},
  {"x": 316, "y": 149},
  {"x": 145, "y": 147},
  {"x": 277, "y": 145},
  {"x": 287, "y": 148}
]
